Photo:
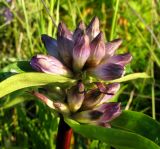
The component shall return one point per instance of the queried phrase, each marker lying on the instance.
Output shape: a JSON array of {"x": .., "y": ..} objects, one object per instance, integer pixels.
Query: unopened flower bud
[
  {"x": 48, "y": 64},
  {"x": 111, "y": 47},
  {"x": 92, "y": 98},
  {"x": 93, "y": 28},
  {"x": 87, "y": 116},
  {"x": 65, "y": 43},
  {"x": 75, "y": 96},
  {"x": 79, "y": 30},
  {"x": 51, "y": 45},
  {"x": 97, "y": 50},
  {"x": 81, "y": 52}
]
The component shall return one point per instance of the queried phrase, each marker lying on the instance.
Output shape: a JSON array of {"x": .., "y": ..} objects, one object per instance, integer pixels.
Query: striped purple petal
[
  {"x": 51, "y": 45},
  {"x": 97, "y": 50},
  {"x": 108, "y": 71},
  {"x": 48, "y": 64},
  {"x": 93, "y": 28},
  {"x": 121, "y": 59},
  {"x": 111, "y": 47},
  {"x": 79, "y": 30},
  {"x": 111, "y": 91},
  {"x": 110, "y": 111},
  {"x": 81, "y": 52},
  {"x": 65, "y": 43}
]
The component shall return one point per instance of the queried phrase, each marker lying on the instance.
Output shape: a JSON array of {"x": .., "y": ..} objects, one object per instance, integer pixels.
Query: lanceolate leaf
[
  {"x": 24, "y": 80},
  {"x": 131, "y": 77},
  {"x": 138, "y": 123},
  {"x": 114, "y": 137},
  {"x": 18, "y": 67}
]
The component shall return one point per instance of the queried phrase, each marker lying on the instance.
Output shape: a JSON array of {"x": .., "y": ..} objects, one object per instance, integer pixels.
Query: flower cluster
[
  {"x": 82, "y": 50},
  {"x": 73, "y": 54}
]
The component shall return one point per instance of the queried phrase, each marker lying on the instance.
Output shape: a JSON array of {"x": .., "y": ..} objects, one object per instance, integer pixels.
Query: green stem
[{"x": 114, "y": 20}]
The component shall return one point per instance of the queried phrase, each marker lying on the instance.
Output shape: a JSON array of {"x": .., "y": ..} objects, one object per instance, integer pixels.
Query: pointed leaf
[
  {"x": 133, "y": 76},
  {"x": 25, "y": 80},
  {"x": 114, "y": 137},
  {"x": 138, "y": 123}
]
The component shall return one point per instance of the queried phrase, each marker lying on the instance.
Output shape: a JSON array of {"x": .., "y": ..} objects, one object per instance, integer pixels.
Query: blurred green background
[{"x": 27, "y": 123}]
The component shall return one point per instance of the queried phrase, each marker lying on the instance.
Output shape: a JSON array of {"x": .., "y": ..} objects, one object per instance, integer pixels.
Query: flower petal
[
  {"x": 48, "y": 64},
  {"x": 75, "y": 96},
  {"x": 93, "y": 28},
  {"x": 108, "y": 71},
  {"x": 79, "y": 30},
  {"x": 97, "y": 50},
  {"x": 65, "y": 43},
  {"x": 92, "y": 98},
  {"x": 111, "y": 91},
  {"x": 81, "y": 52},
  {"x": 111, "y": 111},
  {"x": 51, "y": 45},
  {"x": 121, "y": 59},
  {"x": 111, "y": 47}
]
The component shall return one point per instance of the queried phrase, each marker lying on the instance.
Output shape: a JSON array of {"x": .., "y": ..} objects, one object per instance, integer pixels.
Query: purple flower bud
[
  {"x": 48, "y": 64},
  {"x": 65, "y": 44},
  {"x": 63, "y": 31},
  {"x": 81, "y": 52},
  {"x": 92, "y": 98},
  {"x": 108, "y": 71},
  {"x": 111, "y": 47},
  {"x": 97, "y": 50},
  {"x": 110, "y": 111},
  {"x": 51, "y": 45},
  {"x": 75, "y": 96},
  {"x": 93, "y": 28},
  {"x": 111, "y": 90},
  {"x": 121, "y": 59},
  {"x": 79, "y": 30}
]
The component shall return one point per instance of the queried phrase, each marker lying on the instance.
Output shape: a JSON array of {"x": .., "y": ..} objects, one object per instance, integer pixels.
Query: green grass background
[{"x": 30, "y": 124}]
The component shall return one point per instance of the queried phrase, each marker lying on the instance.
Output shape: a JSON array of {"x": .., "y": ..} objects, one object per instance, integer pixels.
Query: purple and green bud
[
  {"x": 81, "y": 52},
  {"x": 97, "y": 51},
  {"x": 75, "y": 96},
  {"x": 65, "y": 44},
  {"x": 108, "y": 71},
  {"x": 49, "y": 64},
  {"x": 93, "y": 28}
]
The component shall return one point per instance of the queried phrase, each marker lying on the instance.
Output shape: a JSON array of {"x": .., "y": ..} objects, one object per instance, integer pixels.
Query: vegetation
[{"x": 28, "y": 123}]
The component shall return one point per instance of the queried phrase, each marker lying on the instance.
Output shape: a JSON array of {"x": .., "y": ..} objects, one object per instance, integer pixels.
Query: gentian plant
[{"x": 91, "y": 71}]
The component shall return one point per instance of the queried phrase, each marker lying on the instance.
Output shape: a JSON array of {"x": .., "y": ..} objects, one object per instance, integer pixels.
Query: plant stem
[{"x": 64, "y": 135}]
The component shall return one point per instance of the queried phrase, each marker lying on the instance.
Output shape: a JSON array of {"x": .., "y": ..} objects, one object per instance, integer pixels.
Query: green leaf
[
  {"x": 138, "y": 123},
  {"x": 131, "y": 77},
  {"x": 114, "y": 137},
  {"x": 18, "y": 67},
  {"x": 24, "y": 80},
  {"x": 15, "y": 68},
  {"x": 14, "y": 102}
]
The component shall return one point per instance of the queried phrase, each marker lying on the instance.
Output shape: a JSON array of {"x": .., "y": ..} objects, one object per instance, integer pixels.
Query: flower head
[
  {"x": 74, "y": 53},
  {"x": 90, "y": 106},
  {"x": 83, "y": 50}
]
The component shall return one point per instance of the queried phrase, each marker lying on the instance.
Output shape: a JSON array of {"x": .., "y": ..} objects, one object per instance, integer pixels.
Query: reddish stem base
[{"x": 64, "y": 135}]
